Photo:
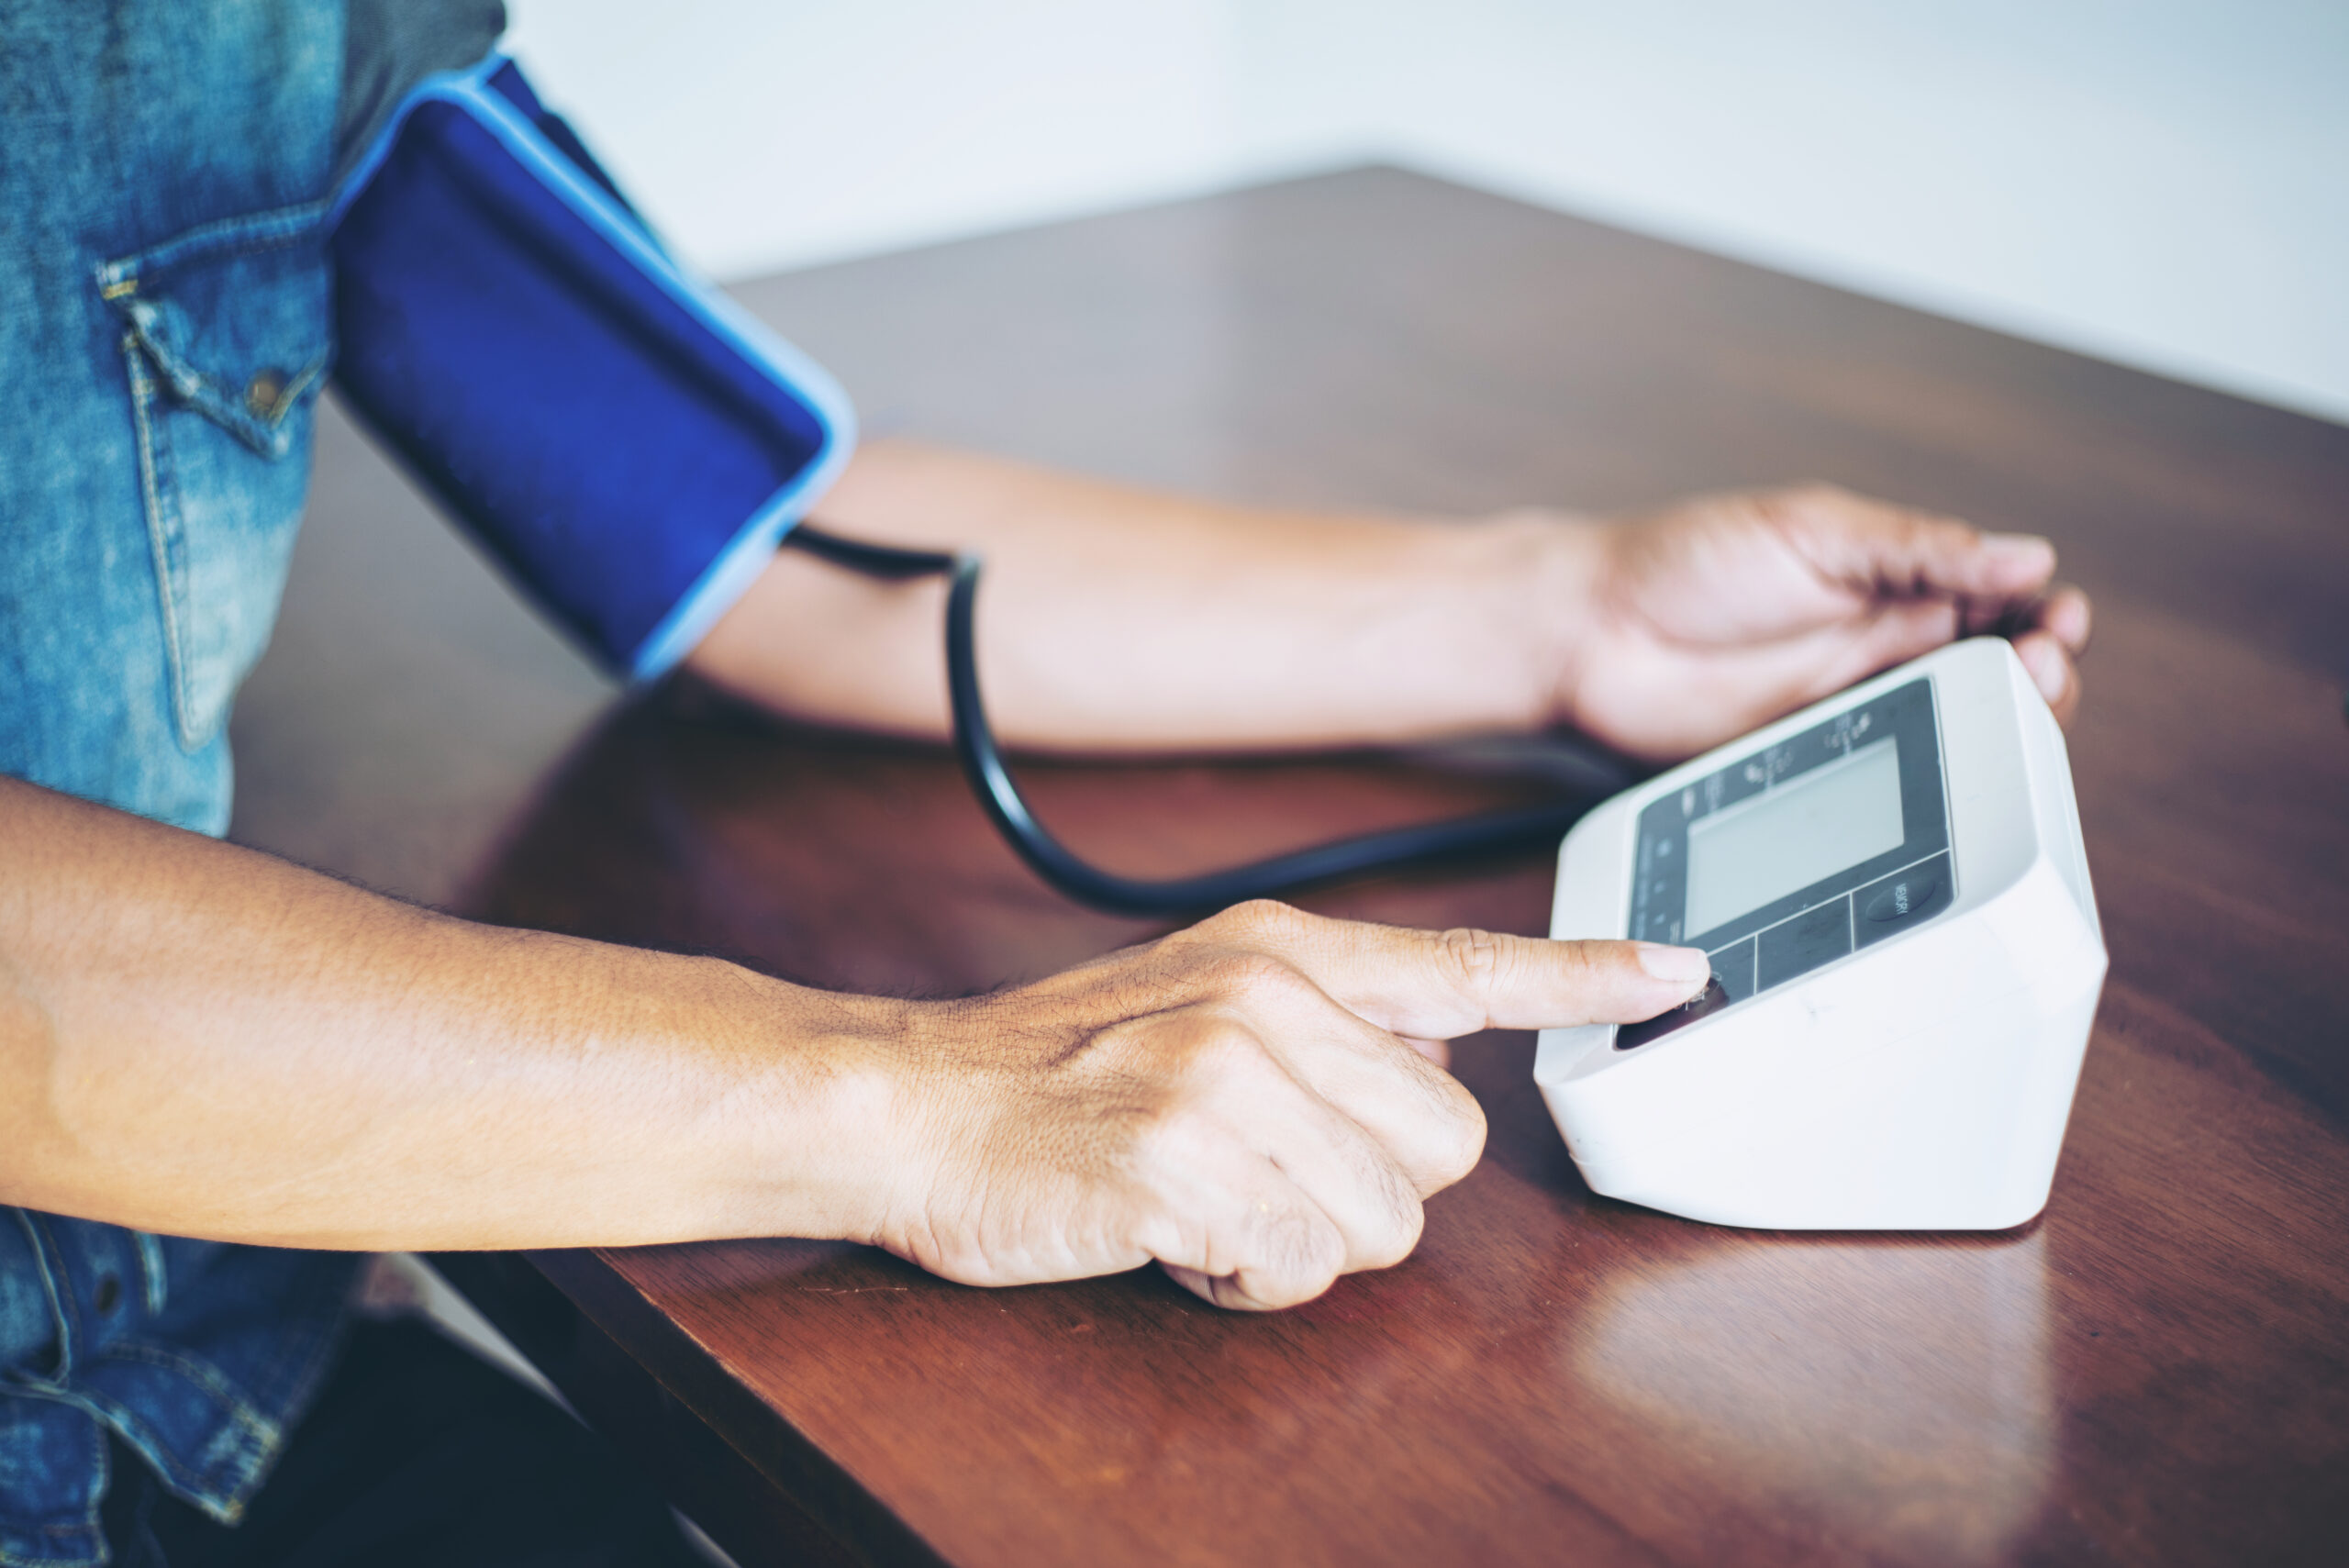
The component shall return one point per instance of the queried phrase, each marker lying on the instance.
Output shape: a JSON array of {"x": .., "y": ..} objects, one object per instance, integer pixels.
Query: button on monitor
[
  {"x": 1703, "y": 1005},
  {"x": 1732, "y": 981},
  {"x": 1812, "y": 937},
  {"x": 1904, "y": 897},
  {"x": 1907, "y": 897}
]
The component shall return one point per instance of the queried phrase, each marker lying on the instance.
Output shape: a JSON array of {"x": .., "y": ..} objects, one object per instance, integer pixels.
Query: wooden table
[{"x": 2157, "y": 1371}]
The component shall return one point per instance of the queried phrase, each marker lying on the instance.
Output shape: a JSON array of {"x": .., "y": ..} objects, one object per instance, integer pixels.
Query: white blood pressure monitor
[{"x": 1906, "y": 963}]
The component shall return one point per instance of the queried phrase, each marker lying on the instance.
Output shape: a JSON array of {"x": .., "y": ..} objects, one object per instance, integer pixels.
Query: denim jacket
[{"x": 165, "y": 327}]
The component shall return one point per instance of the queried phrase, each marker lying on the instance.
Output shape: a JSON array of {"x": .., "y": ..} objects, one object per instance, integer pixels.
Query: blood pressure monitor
[{"x": 1906, "y": 963}]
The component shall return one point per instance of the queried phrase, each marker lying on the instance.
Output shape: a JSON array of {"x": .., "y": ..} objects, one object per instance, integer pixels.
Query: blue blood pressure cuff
[{"x": 629, "y": 443}]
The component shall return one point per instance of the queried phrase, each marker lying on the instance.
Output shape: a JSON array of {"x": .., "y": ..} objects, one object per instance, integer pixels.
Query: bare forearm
[
  {"x": 195, "y": 1038},
  {"x": 1114, "y": 619},
  {"x": 198, "y": 1039}
]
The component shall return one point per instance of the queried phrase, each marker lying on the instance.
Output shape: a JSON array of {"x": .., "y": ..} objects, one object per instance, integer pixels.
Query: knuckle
[
  {"x": 1474, "y": 959},
  {"x": 1257, "y": 920},
  {"x": 1810, "y": 495},
  {"x": 1400, "y": 1236},
  {"x": 1457, "y": 1143},
  {"x": 1392, "y": 1217},
  {"x": 1200, "y": 1054},
  {"x": 1164, "y": 1139},
  {"x": 1223, "y": 1058},
  {"x": 1593, "y": 961},
  {"x": 1467, "y": 1148},
  {"x": 1466, "y": 1139},
  {"x": 1250, "y": 975},
  {"x": 1302, "y": 1253}
]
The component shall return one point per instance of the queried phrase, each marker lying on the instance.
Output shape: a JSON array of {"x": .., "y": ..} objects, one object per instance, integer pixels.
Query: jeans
[{"x": 415, "y": 1453}]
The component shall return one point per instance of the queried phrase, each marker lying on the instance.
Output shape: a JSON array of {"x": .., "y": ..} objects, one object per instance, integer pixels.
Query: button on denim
[{"x": 165, "y": 324}]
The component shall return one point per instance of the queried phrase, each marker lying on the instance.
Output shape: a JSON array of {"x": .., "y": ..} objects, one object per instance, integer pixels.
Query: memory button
[{"x": 1902, "y": 899}]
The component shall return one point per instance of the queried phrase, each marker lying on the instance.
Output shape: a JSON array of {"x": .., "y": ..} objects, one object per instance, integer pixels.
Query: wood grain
[{"x": 2157, "y": 1371}]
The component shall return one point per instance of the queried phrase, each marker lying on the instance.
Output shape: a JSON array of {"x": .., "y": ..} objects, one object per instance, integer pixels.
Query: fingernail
[{"x": 1682, "y": 966}]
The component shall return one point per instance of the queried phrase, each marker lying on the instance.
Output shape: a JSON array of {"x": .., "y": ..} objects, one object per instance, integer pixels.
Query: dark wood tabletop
[{"x": 2154, "y": 1372}]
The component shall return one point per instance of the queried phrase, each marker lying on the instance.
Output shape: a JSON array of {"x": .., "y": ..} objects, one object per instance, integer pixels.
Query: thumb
[{"x": 1440, "y": 984}]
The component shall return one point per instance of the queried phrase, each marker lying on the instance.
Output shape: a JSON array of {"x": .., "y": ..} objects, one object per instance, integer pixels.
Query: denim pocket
[{"x": 227, "y": 334}]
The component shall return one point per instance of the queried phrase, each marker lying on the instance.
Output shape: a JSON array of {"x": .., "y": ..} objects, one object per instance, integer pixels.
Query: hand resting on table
[{"x": 1255, "y": 1102}]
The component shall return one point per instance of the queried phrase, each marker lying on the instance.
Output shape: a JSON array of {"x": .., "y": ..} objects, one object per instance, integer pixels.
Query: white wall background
[{"x": 2160, "y": 182}]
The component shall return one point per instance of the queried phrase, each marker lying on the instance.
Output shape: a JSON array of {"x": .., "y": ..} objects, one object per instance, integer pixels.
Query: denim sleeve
[{"x": 389, "y": 46}]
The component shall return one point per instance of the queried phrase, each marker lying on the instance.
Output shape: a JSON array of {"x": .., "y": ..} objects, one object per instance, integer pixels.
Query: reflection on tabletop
[{"x": 1772, "y": 1368}]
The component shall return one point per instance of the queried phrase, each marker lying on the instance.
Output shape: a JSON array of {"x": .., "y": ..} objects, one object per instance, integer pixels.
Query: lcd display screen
[{"x": 1827, "y": 820}]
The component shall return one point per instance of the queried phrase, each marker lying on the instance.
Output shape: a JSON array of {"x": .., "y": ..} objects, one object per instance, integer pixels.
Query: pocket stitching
[
  {"x": 119, "y": 284},
  {"x": 158, "y": 373},
  {"x": 239, "y": 236},
  {"x": 217, "y": 403},
  {"x": 162, "y": 529}
]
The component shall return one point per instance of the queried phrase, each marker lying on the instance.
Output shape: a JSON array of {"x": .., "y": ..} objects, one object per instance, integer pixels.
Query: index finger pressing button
[{"x": 1703, "y": 1005}]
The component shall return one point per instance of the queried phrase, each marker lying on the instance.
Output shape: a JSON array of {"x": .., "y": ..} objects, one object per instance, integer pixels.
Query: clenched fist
[{"x": 1256, "y": 1102}]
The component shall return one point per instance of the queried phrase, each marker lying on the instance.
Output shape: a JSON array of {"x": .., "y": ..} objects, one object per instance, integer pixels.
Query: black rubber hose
[{"x": 983, "y": 762}]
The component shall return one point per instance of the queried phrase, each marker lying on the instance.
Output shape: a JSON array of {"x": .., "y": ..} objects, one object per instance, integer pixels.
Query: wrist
[
  {"x": 1551, "y": 566},
  {"x": 820, "y": 1115}
]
